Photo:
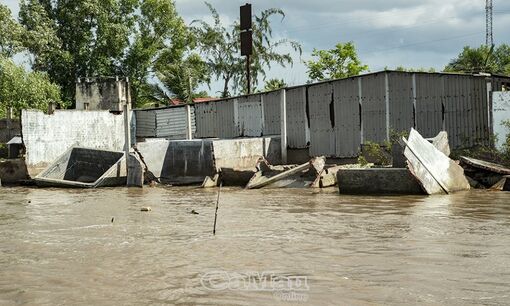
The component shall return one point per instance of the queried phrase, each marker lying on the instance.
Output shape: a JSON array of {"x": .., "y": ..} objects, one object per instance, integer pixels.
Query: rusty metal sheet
[{"x": 436, "y": 172}]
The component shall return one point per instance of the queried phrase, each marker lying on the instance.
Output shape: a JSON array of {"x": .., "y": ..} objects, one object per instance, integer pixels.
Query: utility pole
[
  {"x": 489, "y": 39},
  {"x": 246, "y": 40}
]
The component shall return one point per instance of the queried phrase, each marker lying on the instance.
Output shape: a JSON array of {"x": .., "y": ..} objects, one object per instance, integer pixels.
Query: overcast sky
[{"x": 387, "y": 33}]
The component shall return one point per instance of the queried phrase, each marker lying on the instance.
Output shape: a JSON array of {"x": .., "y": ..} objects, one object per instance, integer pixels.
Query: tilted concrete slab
[
  {"x": 279, "y": 177},
  {"x": 436, "y": 172},
  {"x": 85, "y": 168}
]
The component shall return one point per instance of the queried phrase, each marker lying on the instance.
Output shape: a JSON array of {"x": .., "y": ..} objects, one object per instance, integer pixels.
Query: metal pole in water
[{"x": 216, "y": 211}]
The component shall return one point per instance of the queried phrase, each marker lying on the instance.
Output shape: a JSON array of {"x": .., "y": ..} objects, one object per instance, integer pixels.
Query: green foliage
[
  {"x": 274, "y": 84},
  {"x": 494, "y": 60},
  {"x": 381, "y": 153},
  {"x": 362, "y": 161},
  {"x": 180, "y": 80},
  {"x": 489, "y": 153},
  {"x": 220, "y": 47},
  {"x": 337, "y": 63},
  {"x": 20, "y": 89},
  {"x": 11, "y": 33},
  {"x": 85, "y": 38},
  {"x": 404, "y": 69}
]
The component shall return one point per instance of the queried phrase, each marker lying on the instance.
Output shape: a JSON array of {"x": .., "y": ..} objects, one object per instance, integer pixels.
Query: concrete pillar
[
  {"x": 127, "y": 134},
  {"x": 283, "y": 126},
  {"x": 189, "y": 130},
  {"x": 414, "y": 100},
  {"x": 360, "y": 95}
]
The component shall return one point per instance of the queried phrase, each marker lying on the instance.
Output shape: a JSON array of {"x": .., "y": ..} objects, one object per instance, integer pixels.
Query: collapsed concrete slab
[
  {"x": 192, "y": 161},
  {"x": 178, "y": 162},
  {"x": 287, "y": 176},
  {"x": 435, "y": 171},
  {"x": 378, "y": 181},
  {"x": 483, "y": 172},
  {"x": 85, "y": 168}
]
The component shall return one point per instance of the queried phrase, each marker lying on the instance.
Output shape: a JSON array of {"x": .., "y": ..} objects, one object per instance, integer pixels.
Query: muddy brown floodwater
[{"x": 272, "y": 247}]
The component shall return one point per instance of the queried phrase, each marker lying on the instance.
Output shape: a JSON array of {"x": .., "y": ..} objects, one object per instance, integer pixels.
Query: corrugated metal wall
[
  {"x": 322, "y": 122},
  {"x": 347, "y": 117},
  {"x": 298, "y": 130},
  {"x": 334, "y": 118},
  {"x": 271, "y": 104},
  {"x": 400, "y": 90},
  {"x": 429, "y": 103},
  {"x": 251, "y": 116},
  {"x": 217, "y": 119},
  {"x": 170, "y": 122},
  {"x": 374, "y": 108}
]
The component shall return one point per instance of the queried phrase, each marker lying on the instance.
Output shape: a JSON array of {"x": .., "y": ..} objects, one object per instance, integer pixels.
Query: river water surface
[{"x": 60, "y": 247}]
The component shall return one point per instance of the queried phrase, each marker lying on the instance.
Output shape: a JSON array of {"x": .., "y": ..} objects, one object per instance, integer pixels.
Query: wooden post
[
  {"x": 283, "y": 126},
  {"x": 189, "y": 131}
]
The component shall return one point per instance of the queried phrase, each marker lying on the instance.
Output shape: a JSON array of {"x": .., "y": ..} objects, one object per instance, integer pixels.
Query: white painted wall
[
  {"x": 500, "y": 113},
  {"x": 46, "y": 137}
]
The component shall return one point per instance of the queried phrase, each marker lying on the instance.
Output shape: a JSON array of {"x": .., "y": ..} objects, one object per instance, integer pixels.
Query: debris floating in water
[{"x": 146, "y": 209}]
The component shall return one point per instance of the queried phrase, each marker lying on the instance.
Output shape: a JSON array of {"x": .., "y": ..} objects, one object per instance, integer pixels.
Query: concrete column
[
  {"x": 414, "y": 100},
  {"x": 387, "y": 100},
  {"x": 490, "y": 115},
  {"x": 360, "y": 94},
  {"x": 189, "y": 131},
  {"x": 283, "y": 126},
  {"x": 127, "y": 134}
]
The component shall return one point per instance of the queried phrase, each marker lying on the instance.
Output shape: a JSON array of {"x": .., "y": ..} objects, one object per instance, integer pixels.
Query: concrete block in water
[
  {"x": 377, "y": 181},
  {"x": 13, "y": 171}
]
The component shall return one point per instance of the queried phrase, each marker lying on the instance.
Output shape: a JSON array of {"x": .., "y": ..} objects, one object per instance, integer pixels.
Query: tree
[
  {"x": 340, "y": 62},
  {"x": 220, "y": 46},
  {"x": 180, "y": 80},
  {"x": 86, "y": 38},
  {"x": 483, "y": 59},
  {"x": 20, "y": 89},
  {"x": 11, "y": 33},
  {"x": 274, "y": 84}
]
